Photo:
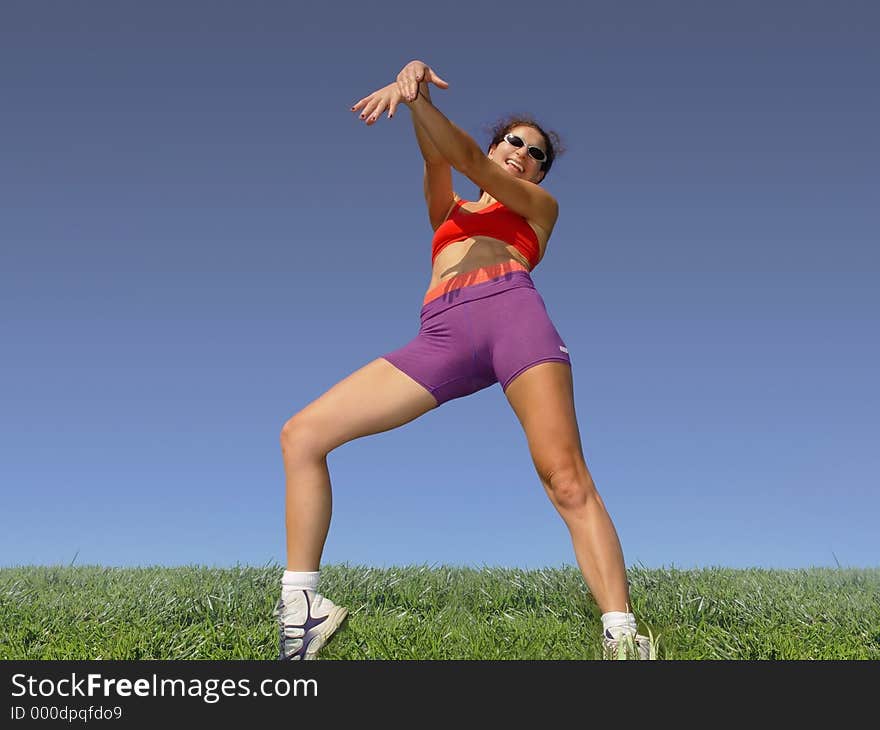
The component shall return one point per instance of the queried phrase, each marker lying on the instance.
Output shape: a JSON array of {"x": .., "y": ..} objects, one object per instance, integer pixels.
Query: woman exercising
[{"x": 482, "y": 322}]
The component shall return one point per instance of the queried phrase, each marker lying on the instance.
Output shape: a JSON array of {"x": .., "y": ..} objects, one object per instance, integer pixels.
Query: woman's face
[{"x": 516, "y": 160}]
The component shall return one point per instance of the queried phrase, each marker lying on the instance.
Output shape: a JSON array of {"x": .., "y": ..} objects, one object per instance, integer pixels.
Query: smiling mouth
[{"x": 515, "y": 165}]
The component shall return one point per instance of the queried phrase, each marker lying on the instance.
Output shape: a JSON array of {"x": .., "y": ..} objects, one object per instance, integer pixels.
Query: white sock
[
  {"x": 292, "y": 580},
  {"x": 618, "y": 622}
]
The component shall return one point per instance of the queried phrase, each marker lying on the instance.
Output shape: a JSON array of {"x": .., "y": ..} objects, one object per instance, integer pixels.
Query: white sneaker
[
  {"x": 306, "y": 620},
  {"x": 627, "y": 646}
]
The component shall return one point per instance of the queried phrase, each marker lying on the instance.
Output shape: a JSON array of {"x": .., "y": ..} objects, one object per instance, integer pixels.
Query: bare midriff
[{"x": 470, "y": 254}]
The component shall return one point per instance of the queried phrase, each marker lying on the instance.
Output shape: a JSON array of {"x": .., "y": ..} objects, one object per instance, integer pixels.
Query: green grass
[{"x": 435, "y": 612}]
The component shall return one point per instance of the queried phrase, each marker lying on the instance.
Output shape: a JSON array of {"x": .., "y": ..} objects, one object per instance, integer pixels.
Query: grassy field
[{"x": 436, "y": 612}]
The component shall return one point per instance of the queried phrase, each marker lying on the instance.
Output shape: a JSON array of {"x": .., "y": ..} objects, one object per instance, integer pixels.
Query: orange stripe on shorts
[{"x": 469, "y": 278}]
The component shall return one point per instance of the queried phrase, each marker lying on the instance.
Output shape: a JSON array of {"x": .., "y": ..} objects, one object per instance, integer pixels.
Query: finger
[
  {"x": 375, "y": 112},
  {"x": 394, "y": 100},
  {"x": 437, "y": 80},
  {"x": 368, "y": 108},
  {"x": 360, "y": 103},
  {"x": 406, "y": 85}
]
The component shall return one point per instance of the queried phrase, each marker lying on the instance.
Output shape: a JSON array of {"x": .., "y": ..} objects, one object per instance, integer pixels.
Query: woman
[{"x": 483, "y": 322}]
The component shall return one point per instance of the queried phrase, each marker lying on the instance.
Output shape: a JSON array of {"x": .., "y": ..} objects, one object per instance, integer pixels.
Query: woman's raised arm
[
  {"x": 461, "y": 150},
  {"x": 412, "y": 80}
]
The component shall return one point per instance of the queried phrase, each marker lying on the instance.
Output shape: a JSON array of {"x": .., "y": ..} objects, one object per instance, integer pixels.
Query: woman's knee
[
  {"x": 570, "y": 484},
  {"x": 300, "y": 439}
]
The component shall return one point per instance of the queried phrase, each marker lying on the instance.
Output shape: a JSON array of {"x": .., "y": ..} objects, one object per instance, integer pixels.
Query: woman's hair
[{"x": 505, "y": 124}]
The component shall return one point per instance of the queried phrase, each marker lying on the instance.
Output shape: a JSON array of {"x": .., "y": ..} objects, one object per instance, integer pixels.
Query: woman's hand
[
  {"x": 412, "y": 74},
  {"x": 388, "y": 97}
]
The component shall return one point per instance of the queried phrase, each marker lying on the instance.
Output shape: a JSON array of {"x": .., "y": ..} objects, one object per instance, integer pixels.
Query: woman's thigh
[{"x": 378, "y": 397}]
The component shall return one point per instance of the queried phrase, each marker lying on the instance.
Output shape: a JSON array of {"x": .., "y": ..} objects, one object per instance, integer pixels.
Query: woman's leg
[
  {"x": 376, "y": 398},
  {"x": 543, "y": 399}
]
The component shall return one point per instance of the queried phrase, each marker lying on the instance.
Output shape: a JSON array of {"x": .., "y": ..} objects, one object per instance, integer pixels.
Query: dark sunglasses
[{"x": 535, "y": 152}]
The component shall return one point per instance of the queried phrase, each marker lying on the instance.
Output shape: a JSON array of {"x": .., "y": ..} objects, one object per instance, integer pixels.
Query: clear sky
[{"x": 198, "y": 238}]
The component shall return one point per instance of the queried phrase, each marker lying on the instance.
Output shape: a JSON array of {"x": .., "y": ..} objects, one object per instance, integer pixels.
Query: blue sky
[{"x": 197, "y": 238}]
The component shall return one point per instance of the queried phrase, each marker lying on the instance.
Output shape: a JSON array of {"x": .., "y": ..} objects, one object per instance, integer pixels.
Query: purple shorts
[{"x": 480, "y": 334}]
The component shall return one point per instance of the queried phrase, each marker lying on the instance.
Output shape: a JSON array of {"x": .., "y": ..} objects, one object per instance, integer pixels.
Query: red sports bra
[{"x": 494, "y": 221}]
